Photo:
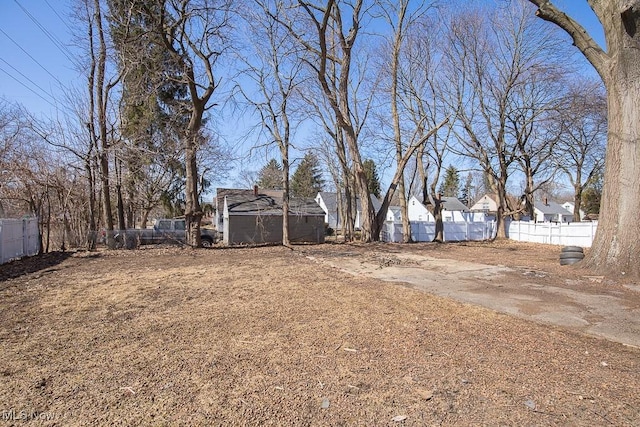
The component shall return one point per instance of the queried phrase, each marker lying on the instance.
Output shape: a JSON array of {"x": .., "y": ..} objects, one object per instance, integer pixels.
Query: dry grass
[{"x": 268, "y": 337}]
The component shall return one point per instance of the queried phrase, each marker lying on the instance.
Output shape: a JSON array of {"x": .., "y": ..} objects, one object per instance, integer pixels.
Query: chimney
[
  {"x": 255, "y": 190},
  {"x": 546, "y": 201}
]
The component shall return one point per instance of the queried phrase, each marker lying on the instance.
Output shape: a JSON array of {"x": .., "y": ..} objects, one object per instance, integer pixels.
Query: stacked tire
[{"x": 571, "y": 255}]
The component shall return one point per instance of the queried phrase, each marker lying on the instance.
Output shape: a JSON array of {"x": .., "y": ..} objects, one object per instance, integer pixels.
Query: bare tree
[
  {"x": 331, "y": 57},
  {"x": 530, "y": 123},
  {"x": 70, "y": 139},
  {"x": 421, "y": 107},
  {"x": 402, "y": 86},
  {"x": 275, "y": 67},
  {"x": 617, "y": 241},
  {"x": 582, "y": 125},
  {"x": 493, "y": 61},
  {"x": 195, "y": 35},
  {"x": 332, "y": 146},
  {"x": 100, "y": 86}
]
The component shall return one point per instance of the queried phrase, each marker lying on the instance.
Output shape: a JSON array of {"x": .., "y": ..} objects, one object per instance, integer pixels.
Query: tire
[
  {"x": 570, "y": 255},
  {"x": 119, "y": 241},
  {"x": 570, "y": 261},
  {"x": 207, "y": 243},
  {"x": 572, "y": 249}
]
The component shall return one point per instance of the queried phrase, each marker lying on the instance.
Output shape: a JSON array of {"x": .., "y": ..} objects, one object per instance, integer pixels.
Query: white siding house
[
  {"x": 570, "y": 207},
  {"x": 486, "y": 204},
  {"x": 453, "y": 211},
  {"x": 548, "y": 211},
  {"x": 328, "y": 201}
]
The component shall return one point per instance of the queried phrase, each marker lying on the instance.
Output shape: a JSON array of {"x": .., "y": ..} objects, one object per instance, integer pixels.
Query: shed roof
[{"x": 246, "y": 202}]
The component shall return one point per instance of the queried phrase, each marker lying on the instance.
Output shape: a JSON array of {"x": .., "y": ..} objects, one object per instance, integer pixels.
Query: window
[{"x": 164, "y": 225}]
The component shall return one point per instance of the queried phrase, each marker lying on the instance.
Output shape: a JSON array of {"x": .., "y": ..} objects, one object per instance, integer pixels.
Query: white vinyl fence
[
  {"x": 571, "y": 234},
  {"x": 18, "y": 238},
  {"x": 423, "y": 231}
]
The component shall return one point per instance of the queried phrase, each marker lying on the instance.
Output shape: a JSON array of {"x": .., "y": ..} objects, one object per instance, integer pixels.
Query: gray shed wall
[{"x": 256, "y": 229}]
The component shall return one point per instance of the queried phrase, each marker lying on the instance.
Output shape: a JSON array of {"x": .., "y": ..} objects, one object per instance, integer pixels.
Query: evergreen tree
[
  {"x": 592, "y": 194},
  {"x": 467, "y": 189},
  {"x": 307, "y": 180},
  {"x": 451, "y": 185},
  {"x": 270, "y": 176},
  {"x": 372, "y": 177}
]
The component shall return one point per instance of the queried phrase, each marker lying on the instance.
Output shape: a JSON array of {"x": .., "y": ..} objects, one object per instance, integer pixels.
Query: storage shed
[{"x": 255, "y": 217}]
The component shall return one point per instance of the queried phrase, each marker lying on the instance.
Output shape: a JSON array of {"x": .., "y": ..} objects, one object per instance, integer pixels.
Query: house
[
  {"x": 487, "y": 204},
  {"x": 328, "y": 201},
  {"x": 394, "y": 214},
  {"x": 549, "y": 211},
  {"x": 453, "y": 210},
  {"x": 253, "y": 217},
  {"x": 570, "y": 207}
]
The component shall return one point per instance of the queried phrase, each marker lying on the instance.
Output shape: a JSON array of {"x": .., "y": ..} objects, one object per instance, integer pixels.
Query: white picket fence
[
  {"x": 423, "y": 231},
  {"x": 567, "y": 234},
  {"x": 18, "y": 238}
]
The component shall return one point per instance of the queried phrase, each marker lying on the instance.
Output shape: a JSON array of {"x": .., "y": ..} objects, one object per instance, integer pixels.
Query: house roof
[
  {"x": 551, "y": 208},
  {"x": 396, "y": 210},
  {"x": 331, "y": 201},
  {"x": 246, "y": 202},
  {"x": 453, "y": 204},
  {"x": 449, "y": 204}
]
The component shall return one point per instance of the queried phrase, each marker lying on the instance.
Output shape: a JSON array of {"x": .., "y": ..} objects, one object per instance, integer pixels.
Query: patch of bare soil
[{"x": 267, "y": 336}]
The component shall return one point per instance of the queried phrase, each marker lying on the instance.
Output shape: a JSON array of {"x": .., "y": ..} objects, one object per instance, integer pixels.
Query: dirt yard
[{"x": 271, "y": 336}]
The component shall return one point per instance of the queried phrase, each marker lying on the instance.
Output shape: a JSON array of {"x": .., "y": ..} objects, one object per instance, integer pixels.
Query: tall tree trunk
[
  {"x": 437, "y": 214},
  {"x": 99, "y": 103},
  {"x": 92, "y": 232},
  {"x": 344, "y": 198},
  {"x": 577, "y": 196},
  {"x": 193, "y": 212},
  {"x": 404, "y": 209},
  {"x": 616, "y": 245},
  {"x": 284, "y": 151},
  {"x": 528, "y": 195},
  {"x": 345, "y": 207}
]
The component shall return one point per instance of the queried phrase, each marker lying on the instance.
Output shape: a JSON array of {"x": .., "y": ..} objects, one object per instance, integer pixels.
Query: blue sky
[
  {"x": 36, "y": 52},
  {"x": 32, "y": 60}
]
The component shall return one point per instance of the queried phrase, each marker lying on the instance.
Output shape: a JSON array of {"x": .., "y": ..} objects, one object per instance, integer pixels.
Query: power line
[
  {"x": 27, "y": 78},
  {"x": 27, "y": 87},
  {"x": 58, "y": 15},
  {"x": 32, "y": 58},
  {"x": 65, "y": 51}
]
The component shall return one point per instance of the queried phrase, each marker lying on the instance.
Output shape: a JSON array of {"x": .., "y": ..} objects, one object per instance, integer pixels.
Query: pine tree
[
  {"x": 451, "y": 185},
  {"x": 465, "y": 196},
  {"x": 270, "y": 176},
  {"x": 307, "y": 180},
  {"x": 592, "y": 194},
  {"x": 372, "y": 177}
]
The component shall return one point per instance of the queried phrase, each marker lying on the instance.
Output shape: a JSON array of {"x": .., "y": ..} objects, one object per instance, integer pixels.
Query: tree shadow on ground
[{"x": 28, "y": 265}]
